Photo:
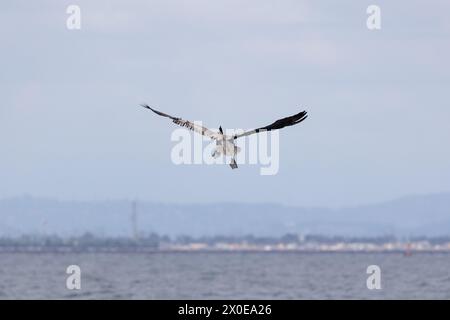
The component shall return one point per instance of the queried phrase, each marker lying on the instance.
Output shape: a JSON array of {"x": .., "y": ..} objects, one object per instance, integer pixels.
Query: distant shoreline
[{"x": 112, "y": 250}]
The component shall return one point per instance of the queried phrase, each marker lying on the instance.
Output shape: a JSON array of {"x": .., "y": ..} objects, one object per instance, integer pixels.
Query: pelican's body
[{"x": 225, "y": 147}]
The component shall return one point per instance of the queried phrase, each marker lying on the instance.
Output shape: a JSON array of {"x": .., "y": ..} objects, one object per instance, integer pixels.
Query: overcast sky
[{"x": 378, "y": 101}]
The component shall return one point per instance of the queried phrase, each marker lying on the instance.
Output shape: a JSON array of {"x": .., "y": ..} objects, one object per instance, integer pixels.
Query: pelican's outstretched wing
[
  {"x": 190, "y": 125},
  {"x": 285, "y": 122}
]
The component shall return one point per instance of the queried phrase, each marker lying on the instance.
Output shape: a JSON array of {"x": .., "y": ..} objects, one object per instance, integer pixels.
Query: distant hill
[{"x": 413, "y": 215}]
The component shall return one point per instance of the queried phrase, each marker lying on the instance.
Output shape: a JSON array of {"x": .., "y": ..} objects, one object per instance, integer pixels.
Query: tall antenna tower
[{"x": 134, "y": 222}]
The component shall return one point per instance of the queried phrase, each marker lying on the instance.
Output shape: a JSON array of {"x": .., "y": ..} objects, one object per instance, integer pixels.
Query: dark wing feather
[
  {"x": 189, "y": 125},
  {"x": 285, "y": 122},
  {"x": 159, "y": 112}
]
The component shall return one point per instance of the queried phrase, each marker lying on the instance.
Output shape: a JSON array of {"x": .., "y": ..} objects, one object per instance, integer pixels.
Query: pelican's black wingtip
[
  {"x": 299, "y": 117},
  {"x": 302, "y": 115},
  {"x": 144, "y": 105},
  {"x": 305, "y": 114}
]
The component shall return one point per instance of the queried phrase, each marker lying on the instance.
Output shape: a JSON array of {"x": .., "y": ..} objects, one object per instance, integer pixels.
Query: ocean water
[{"x": 224, "y": 276}]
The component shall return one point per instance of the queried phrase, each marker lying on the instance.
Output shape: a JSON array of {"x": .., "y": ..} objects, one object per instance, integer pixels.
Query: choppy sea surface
[{"x": 224, "y": 276}]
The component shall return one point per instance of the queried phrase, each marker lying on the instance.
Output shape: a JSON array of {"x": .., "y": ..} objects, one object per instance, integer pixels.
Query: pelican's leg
[{"x": 233, "y": 163}]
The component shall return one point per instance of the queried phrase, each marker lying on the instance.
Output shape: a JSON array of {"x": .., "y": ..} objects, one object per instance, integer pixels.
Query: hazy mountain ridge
[{"x": 413, "y": 215}]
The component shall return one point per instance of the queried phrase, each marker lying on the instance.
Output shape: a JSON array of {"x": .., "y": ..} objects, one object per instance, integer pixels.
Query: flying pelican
[{"x": 225, "y": 144}]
